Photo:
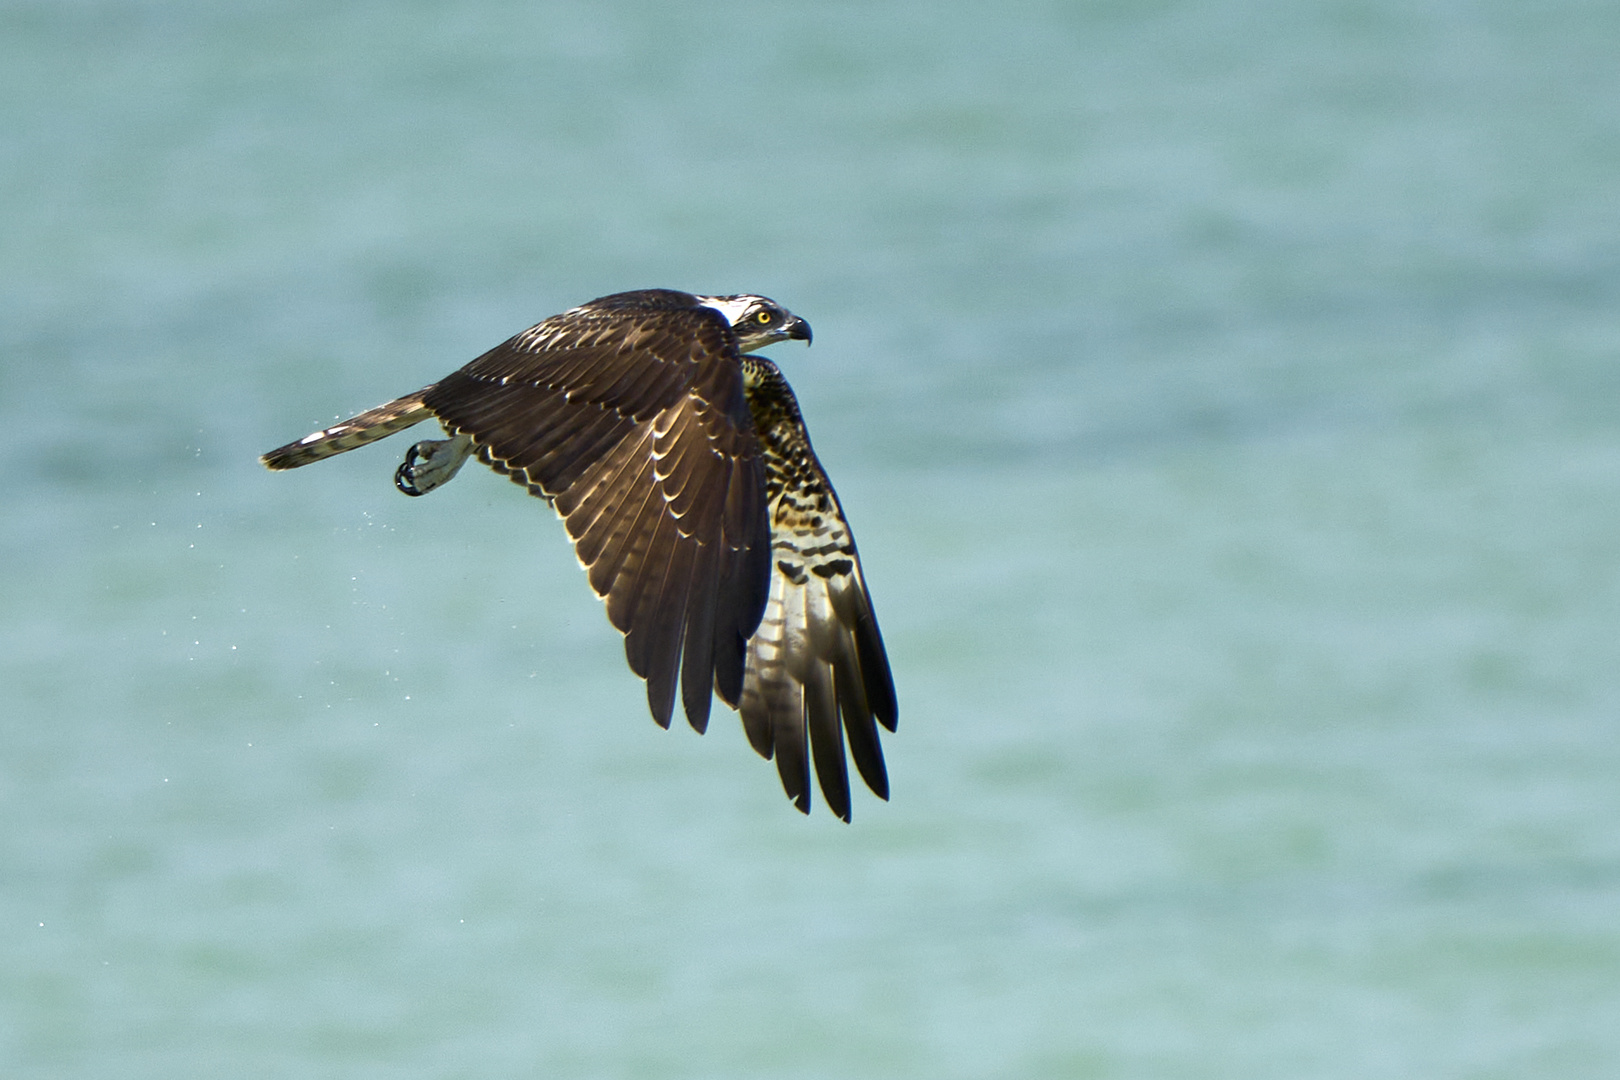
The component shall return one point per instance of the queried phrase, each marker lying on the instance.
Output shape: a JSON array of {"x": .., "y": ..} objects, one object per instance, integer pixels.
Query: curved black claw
[{"x": 402, "y": 475}]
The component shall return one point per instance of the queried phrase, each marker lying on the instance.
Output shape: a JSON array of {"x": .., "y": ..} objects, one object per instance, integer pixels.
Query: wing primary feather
[
  {"x": 767, "y": 694},
  {"x": 657, "y": 617},
  {"x": 793, "y": 767},
  {"x": 698, "y": 652},
  {"x": 860, "y": 729},
  {"x": 827, "y": 739},
  {"x": 669, "y": 617},
  {"x": 878, "y": 681},
  {"x": 647, "y": 638},
  {"x": 745, "y": 581}
]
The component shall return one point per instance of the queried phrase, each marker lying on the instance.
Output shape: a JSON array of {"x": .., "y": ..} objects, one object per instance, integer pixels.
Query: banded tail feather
[{"x": 355, "y": 432}]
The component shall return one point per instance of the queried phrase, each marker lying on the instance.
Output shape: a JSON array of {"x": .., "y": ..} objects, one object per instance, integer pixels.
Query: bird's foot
[{"x": 431, "y": 463}]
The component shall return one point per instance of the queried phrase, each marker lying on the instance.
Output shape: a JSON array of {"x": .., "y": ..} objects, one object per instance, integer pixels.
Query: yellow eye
[{"x": 763, "y": 318}]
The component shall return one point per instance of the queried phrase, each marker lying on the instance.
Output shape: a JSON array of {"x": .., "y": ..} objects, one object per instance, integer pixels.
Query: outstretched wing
[
  {"x": 629, "y": 415},
  {"x": 817, "y": 672}
]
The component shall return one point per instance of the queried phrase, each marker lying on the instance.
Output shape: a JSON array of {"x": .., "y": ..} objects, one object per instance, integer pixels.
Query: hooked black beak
[{"x": 799, "y": 330}]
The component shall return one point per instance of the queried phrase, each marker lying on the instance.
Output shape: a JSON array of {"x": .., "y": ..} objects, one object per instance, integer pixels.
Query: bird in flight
[{"x": 681, "y": 468}]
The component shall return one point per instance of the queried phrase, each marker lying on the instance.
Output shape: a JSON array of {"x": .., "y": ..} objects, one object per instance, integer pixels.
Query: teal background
[{"x": 1224, "y": 397}]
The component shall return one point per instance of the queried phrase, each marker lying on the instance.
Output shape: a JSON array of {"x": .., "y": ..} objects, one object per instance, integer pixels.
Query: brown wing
[
  {"x": 817, "y": 670},
  {"x": 629, "y": 415}
]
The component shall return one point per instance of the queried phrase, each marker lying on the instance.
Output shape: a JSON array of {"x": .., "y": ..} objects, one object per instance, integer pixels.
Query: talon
[
  {"x": 402, "y": 475},
  {"x": 431, "y": 463}
]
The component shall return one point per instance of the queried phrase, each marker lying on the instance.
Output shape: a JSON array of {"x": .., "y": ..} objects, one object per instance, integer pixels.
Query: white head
[{"x": 758, "y": 320}]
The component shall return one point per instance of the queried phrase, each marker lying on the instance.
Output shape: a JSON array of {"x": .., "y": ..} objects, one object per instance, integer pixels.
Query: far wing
[{"x": 817, "y": 671}]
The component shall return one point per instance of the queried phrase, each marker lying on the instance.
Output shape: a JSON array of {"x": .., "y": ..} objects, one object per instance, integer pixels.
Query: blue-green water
[{"x": 1224, "y": 395}]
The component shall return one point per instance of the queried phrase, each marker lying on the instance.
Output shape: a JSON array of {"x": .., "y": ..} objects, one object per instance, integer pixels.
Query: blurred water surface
[{"x": 1224, "y": 396}]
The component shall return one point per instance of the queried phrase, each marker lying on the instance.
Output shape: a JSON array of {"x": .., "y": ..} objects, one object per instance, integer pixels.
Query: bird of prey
[{"x": 679, "y": 463}]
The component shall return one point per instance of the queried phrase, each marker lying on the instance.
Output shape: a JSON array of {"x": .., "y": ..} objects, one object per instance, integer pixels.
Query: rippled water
[{"x": 1224, "y": 396}]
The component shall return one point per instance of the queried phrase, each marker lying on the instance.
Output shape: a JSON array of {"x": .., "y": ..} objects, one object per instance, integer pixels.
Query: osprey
[{"x": 681, "y": 467}]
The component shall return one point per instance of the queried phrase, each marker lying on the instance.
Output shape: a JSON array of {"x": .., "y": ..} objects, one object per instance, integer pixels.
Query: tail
[{"x": 369, "y": 426}]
